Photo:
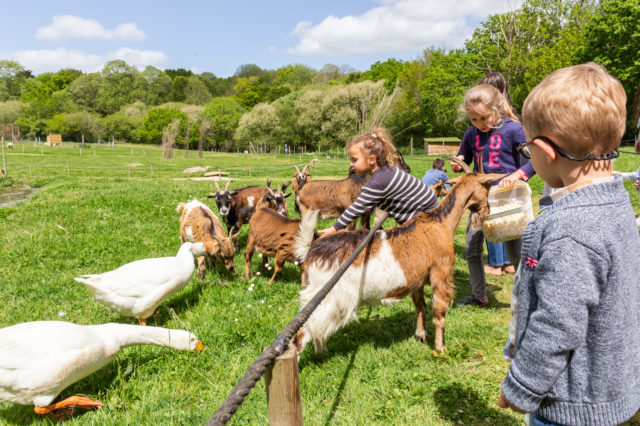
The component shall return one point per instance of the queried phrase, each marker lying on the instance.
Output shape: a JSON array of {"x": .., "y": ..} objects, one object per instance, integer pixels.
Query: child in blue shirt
[{"x": 436, "y": 173}]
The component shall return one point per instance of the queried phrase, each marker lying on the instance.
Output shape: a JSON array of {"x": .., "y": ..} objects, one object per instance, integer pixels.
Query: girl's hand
[
  {"x": 635, "y": 184},
  {"x": 503, "y": 402},
  {"x": 327, "y": 231},
  {"x": 510, "y": 180},
  {"x": 455, "y": 168}
]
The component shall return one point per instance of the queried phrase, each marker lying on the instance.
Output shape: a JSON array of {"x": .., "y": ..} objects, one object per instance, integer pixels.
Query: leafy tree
[
  {"x": 387, "y": 70},
  {"x": 12, "y": 75},
  {"x": 178, "y": 89},
  {"x": 612, "y": 38},
  {"x": 261, "y": 124},
  {"x": 85, "y": 91},
  {"x": 308, "y": 109},
  {"x": 75, "y": 124},
  {"x": 122, "y": 85},
  {"x": 217, "y": 86},
  {"x": 249, "y": 91},
  {"x": 285, "y": 110},
  {"x": 179, "y": 72},
  {"x": 223, "y": 115},
  {"x": 157, "y": 85},
  {"x": 248, "y": 70},
  {"x": 196, "y": 91},
  {"x": 9, "y": 112},
  {"x": 406, "y": 119},
  {"x": 157, "y": 119},
  {"x": 446, "y": 79},
  {"x": 294, "y": 76},
  {"x": 124, "y": 124}
]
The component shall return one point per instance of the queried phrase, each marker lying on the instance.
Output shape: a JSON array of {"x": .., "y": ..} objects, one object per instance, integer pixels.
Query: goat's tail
[
  {"x": 180, "y": 207},
  {"x": 305, "y": 234}
]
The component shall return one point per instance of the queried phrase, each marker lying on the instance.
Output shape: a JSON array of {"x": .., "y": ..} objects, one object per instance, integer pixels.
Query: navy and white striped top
[{"x": 394, "y": 191}]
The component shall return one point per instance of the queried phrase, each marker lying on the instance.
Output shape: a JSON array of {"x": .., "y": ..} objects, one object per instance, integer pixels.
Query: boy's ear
[{"x": 546, "y": 148}]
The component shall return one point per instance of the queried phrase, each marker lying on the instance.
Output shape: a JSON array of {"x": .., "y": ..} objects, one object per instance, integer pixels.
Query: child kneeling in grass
[{"x": 577, "y": 341}]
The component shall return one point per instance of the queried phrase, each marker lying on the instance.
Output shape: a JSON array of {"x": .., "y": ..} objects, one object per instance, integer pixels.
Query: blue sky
[{"x": 219, "y": 36}]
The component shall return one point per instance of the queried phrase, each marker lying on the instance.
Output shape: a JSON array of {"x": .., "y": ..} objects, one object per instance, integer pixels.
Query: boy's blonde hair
[
  {"x": 489, "y": 97},
  {"x": 583, "y": 106},
  {"x": 378, "y": 143}
]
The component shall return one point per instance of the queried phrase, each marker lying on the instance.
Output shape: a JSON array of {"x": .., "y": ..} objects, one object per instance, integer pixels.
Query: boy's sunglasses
[{"x": 524, "y": 150}]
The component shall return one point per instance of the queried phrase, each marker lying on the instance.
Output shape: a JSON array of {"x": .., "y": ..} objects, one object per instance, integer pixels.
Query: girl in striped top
[{"x": 388, "y": 188}]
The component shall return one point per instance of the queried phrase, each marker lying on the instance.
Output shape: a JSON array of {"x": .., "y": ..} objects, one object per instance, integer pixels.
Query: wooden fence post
[
  {"x": 282, "y": 383},
  {"x": 4, "y": 161},
  {"x": 68, "y": 170}
]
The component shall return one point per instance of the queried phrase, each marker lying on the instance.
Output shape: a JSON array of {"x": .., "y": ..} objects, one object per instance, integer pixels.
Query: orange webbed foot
[{"x": 67, "y": 407}]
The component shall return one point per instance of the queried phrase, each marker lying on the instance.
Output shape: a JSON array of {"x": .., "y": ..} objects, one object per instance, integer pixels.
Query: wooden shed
[
  {"x": 440, "y": 146},
  {"x": 54, "y": 140}
]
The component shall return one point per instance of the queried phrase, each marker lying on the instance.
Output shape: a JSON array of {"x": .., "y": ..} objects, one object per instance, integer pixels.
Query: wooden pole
[
  {"x": 4, "y": 161},
  {"x": 68, "y": 170},
  {"x": 30, "y": 175},
  {"x": 284, "y": 402},
  {"x": 83, "y": 140},
  {"x": 152, "y": 170}
]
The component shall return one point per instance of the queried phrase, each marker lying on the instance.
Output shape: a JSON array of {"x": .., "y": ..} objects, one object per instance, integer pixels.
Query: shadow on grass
[{"x": 460, "y": 404}]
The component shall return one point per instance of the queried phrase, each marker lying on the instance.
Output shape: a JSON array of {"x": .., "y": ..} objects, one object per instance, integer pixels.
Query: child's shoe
[{"x": 474, "y": 301}]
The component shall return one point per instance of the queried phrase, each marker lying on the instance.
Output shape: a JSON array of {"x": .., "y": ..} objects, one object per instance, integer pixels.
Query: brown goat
[
  {"x": 199, "y": 224},
  {"x": 397, "y": 263},
  {"x": 275, "y": 235}
]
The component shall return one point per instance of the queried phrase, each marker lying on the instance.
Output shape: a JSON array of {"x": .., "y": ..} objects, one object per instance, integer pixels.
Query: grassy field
[{"x": 98, "y": 207}]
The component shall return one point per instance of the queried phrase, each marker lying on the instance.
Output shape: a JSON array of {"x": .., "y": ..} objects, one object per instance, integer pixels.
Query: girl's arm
[{"x": 368, "y": 199}]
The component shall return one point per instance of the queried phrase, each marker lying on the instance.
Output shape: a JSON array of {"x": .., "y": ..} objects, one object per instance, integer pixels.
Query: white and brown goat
[
  {"x": 275, "y": 235},
  {"x": 398, "y": 262},
  {"x": 199, "y": 224}
]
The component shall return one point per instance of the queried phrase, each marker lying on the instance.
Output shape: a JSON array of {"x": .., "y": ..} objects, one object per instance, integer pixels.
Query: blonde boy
[{"x": 577, "y": 345}]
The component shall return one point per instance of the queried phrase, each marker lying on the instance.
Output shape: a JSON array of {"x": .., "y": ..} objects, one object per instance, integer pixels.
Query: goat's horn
[
  {"x": 231, "y": 230},
  {"x": 226, "y": 187},
  {"x": 304, "y": 169},
  {"x": 216, "y": 183},
  {"x": 480, "y": 166},
  {"x": 269, "y": 183},
  {"x": 297, "y": 169},
  {"x": 460, "y": 163}
]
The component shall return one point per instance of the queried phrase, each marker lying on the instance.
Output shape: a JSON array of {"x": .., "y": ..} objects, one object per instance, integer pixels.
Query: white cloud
[
  {"x": 271, "y": 49},
  {"x": 53, "y": 60},
  {"x": 395, "y": 26},
  {"x": 68, "y": 27}
]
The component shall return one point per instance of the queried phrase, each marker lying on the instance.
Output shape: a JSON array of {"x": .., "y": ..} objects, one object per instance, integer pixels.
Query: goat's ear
[
  {"x": 454, "y": 181},
  {"x": 268, "y": 183},
  {"x": 233, "y": 193},
  {"x": 284, "y": 185},
  {"x": 287, "y": 194},
  {"x": 211, "y": 195}
]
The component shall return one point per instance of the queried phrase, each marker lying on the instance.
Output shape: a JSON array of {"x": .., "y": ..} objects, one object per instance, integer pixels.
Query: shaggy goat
[
  {"x": 199, "y": 224},
  {"x": 397, "y": 262},
  {"x": 275, "y": 235}
]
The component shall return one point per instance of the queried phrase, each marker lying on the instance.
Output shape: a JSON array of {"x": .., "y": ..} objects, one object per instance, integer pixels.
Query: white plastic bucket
[{"x": 510, "y": 211}]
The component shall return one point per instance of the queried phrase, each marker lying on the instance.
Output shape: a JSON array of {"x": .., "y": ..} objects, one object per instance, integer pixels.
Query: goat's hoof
[
  {"x": 439, "y": 353},
  {"x": 200, "y": 275},
  {"x": 422, "y": 337}
]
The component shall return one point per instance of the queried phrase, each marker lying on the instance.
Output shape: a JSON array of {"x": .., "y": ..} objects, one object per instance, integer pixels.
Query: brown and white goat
[
  {"x": 199, "y": 224},
  {"x": 275, "y": 235},
  {"x": 300, "y": 178},
  {"x": 398, "y": 262}
]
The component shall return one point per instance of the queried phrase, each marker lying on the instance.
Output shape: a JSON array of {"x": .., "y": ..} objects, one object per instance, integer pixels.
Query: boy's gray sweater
[{"x": 577, "y": 358}]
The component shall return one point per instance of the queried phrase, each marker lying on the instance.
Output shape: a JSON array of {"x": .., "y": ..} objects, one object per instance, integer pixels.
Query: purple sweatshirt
[{"x": 498, "y": 148}]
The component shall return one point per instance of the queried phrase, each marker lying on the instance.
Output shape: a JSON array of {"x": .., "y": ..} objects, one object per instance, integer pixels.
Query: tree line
[{"x": 297, "y": 105}]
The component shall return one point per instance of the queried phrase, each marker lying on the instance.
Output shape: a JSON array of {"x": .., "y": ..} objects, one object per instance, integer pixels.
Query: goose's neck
[{"x": 135, "y": 335}]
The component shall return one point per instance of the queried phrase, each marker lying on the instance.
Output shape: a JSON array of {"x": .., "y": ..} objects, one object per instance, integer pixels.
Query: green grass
[{"x": 100, "y": 213}]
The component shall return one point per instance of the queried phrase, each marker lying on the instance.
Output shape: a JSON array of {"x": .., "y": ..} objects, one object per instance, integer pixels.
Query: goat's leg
[
  {"x": 278, "y": 268},
  {"x": 202, "y": 265},
  {"x": 421, "y": 312},
  {"x": 442, "y": 285},
  {"x": 248, "y": 254}
]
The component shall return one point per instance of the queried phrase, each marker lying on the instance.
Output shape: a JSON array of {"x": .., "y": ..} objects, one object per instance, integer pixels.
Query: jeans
[
  {"x": 537, "y": 420},
  {"x": 497, "y": 254},
  {"x": 473, "y": 253}
]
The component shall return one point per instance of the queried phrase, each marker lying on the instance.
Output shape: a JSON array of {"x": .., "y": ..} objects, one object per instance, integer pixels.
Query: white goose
[
  {"x": 39, "y": 359},
  {"x": 137, "y": 288}
]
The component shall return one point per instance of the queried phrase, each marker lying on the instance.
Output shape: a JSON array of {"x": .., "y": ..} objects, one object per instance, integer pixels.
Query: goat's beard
[{"x": 476, "y": 218}]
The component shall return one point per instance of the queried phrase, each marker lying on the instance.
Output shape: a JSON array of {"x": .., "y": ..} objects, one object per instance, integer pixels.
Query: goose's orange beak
[{"x": 199, "y": 346}]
